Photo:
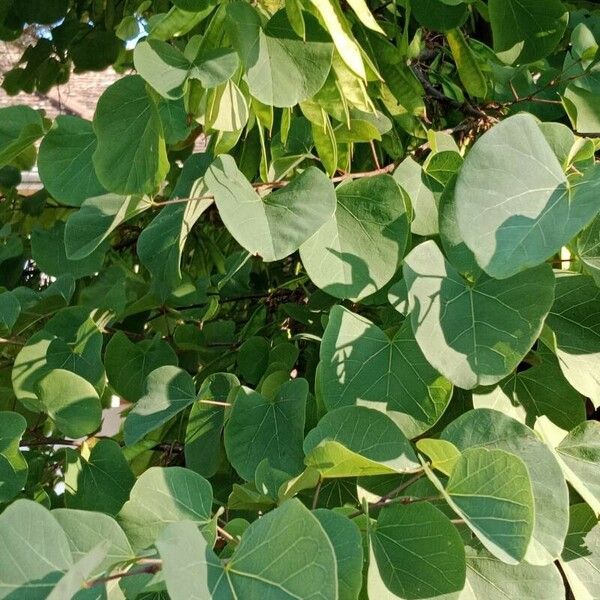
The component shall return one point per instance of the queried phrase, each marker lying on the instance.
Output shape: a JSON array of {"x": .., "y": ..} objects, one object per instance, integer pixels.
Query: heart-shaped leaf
[
  {"x": 278, "y": 224},
  {"x": 474, "y": 333}
]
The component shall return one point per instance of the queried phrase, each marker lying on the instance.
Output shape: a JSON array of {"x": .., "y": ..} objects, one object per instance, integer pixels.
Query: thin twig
[
  {"x": 150, "y": 567},
  {"x": 434, "y": 93},
  {"x": 391, "y": 495},
  {"x": 265, "y": 185},
  {"x": 374, "y": 152}
]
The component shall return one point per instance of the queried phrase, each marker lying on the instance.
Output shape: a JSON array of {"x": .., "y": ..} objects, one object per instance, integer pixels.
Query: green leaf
[
  {"x": 13, "y": 466},
  {"x": 75, "y": 579},
  {"x": 474, "y": 334},
  {"x": 525, "y": 30},
  {"x": 442, "y": 453},
  {"x": 86, "y": 530},
  {"x": 192, "y": 5},
  {"x": 365, "y": 16},
  {"x": 253, "y": 359},
  {"x": 424, "y": 192},
  {"x": 177, "y": 22},
  {"x": 355, "y": 441},
  {"x": 278, "y": 224},
  {"x": 358, "y": 250},
  {"x": 341, "y": 33},
  {"x": 573, "y": 333},
  {"x": 304, "y": 569},
  {"x": 65, "y": 161},
  {"x": 439, "y": 15},
  {"x": 128, "y": 364},
  {"x": 214, "y": 66},
  {"x": 491, "y": 579},
  {"x": 260, "y": 428},
  {"x": 131, "y": 156},
  {"x": 161, "y": 244},
  {"x": 226, "y": 110},
  {"x": 103, "y": 481},
  {"x": 469, "y": 71},
  {"x": 50, "y": 254},
  {"x": 455, "y": 249},
  {"x": 536, "y": 391},
  {"x": 443, "y": 166},
  {"x": 163, "y": 66},
  {"x": 580, "y": 451},
  {"x": 167, "y": 69},
  {"x": 190, "y": 568},
  {"x": 97, "y": 218},
  {"x": 360, "y": 364},
  {"x": 203, "y": 448},
  {"x": 70, "y": 340},
  {"x": 20, "y": 127},
  {"x": 491, "y": 429},
  {"x": 578, "y": 454},
  {"x": 71, "y": 402},
  {"x": 580, "y": 560},
  {"x": 581, "y": 106},
  {"x": 344, "y": 535},
  {"x": 491, "y": 491},
  {"x": 282, "y": 69},
  {"x": 169, "y": 390},
  {"x": 588, "y": 248},
  {"x": 184, "y": 496},
  {"x": 514, "y": 206},
  {"x": 34, "y": 551},
  {"x": 10, "y": 309},
  {"x": 417, "y": 552}
]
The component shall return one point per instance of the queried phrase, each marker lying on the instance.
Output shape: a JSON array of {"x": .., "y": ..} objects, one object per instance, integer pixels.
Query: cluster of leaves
[{"x": 356, "y": 340}]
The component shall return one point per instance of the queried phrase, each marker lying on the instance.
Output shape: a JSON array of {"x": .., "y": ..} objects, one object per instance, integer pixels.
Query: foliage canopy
[{"x": 339, "y": 264}]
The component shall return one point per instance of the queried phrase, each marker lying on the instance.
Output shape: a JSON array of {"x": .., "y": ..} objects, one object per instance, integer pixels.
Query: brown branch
[
  {"x": 266, "y": 185},
  {"x": 434, "y": 93},
  {"x": 391, "y": 497},
  {"x": 55, "y": 441}
]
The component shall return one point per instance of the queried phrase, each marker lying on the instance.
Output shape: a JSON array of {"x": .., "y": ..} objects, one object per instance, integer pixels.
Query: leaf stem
[
  {"x": 227, "y": 536},
  {"x": 215, "y": 403},
  {"x": 317, "y": 492}
]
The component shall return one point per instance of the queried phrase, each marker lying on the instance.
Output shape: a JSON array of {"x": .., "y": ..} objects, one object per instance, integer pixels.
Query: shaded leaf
[
  {"x": 474, "y": 334},
  {"x": 358, "y": 250},
  {"x": 260, "y": 428},
  {"x": 360, "y": 364},
  {"x": 356, "y": 441},
  {"x": 184, "y": 496}
]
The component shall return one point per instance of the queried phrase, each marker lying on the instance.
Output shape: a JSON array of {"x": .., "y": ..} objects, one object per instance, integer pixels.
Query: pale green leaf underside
[
  {"x": 491, "y": 429},
  {"x": 278, "y": 224},
  {"x": 514, "y": 206},
  {"x": 161, "y": 496}
]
